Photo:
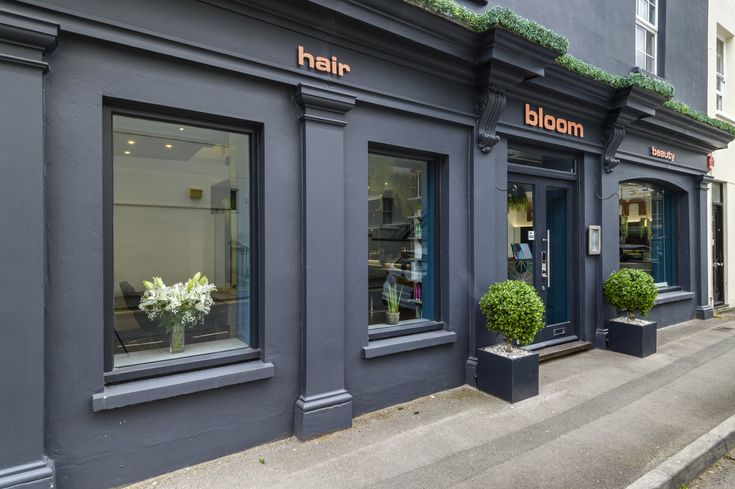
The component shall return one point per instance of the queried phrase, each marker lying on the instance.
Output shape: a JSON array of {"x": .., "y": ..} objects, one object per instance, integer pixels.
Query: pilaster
[
  {"x": 324, "y": 405},
  {"x": 704, "y": 308},
  {"x": 23, "y": 43}
]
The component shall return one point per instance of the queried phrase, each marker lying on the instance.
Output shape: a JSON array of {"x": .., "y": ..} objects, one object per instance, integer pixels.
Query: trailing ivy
[
  {"x": 497, "y": 16},
  {"x": 649, "y": 83},
  {"x": 684, "y": 109},
  {"x": 585, "y": 69},
  {"x": 645, "y": 82}
]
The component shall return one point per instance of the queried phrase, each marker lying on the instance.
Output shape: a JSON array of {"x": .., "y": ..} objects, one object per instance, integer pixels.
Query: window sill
[
  {"x": 389, "y": 346},
  {"x": 674, "y": 296},
  {"x": 725, "y": 116},
  {"x": 179, "y": 365},
  {"x": 408, "y": 328},
  {"x": 140, "y": 391}
]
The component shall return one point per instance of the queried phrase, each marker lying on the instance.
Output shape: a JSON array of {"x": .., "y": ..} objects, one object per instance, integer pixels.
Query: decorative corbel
[
  {"x": 614, "y": 134},
  {"x": 490, "y": 104}
]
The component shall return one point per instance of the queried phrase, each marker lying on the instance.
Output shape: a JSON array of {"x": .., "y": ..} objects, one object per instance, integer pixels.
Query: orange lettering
[
  {"x": 305, "y": 56},
  {"x": 529, "y": 121}
]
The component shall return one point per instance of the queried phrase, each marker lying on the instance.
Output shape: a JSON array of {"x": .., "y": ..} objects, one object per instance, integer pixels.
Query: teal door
[{"x": 541, "y": 250}]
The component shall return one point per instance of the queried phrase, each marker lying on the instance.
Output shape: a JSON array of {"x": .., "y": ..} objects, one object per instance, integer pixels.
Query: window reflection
[
  {"x": 401, "y": 227},
  {"x": 647, "y": 230},
  {"x": 181, "y": 206}
]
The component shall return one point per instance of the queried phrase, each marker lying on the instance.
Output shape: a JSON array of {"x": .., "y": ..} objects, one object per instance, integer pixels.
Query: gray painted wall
[
  {"x": 410, "y": 95},
  {"x": 602, "y": 32}
]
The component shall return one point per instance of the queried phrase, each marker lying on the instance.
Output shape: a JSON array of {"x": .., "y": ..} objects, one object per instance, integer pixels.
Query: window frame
[
  {"x": 127, "y": 108},
  {"x": 674, "y": 220},
  {"x": 651, "y": 28},
  {"x": 438, "y": 167},
  {"x": 721, "y": 77}
]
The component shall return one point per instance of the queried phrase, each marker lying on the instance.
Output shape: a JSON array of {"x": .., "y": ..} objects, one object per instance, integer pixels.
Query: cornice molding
[
  {"x": 27, "y": 31},
  {"x": 629, "y": 105},
  {"x": 27, "y": 39},
  {"x": 323, "y": 104},
  {"x": 505, "y": 60}
]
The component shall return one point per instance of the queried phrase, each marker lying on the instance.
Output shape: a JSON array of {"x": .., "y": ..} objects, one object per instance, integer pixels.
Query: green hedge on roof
[
  {"x": 683, "y": 108},
  {"x": 542, "y": 36},
  {"x": 661, "y": 87},
  {"x": 500, "y": 16}
]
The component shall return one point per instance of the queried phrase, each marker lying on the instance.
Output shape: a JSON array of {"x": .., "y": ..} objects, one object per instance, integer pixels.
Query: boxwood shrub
[
  {"x": 630, "y": 290},
  {"x": 514, "y": 309}
]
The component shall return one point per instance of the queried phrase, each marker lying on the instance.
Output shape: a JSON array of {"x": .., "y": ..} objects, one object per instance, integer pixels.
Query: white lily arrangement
[{"x": 180, "y": 304}]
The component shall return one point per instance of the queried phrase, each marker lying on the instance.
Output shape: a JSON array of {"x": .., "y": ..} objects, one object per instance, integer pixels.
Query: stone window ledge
[
  {"x": 146, "y": 390},
  {"x": 389, "y": 346},
  {"x": 674, "y": 296}
]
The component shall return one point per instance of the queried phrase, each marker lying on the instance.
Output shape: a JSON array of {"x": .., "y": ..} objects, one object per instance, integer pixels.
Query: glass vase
[{"x": 176, "y": 344}]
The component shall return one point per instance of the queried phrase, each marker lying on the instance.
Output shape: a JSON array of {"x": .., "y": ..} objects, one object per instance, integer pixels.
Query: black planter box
[
  {"x": 510, "y": 379},
  {"x": 631, "y": 339}
]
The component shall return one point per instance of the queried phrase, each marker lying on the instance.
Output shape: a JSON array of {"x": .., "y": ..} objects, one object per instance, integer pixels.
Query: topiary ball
[
  {"x": 630, "y": 290},
  {"x": 514, "y": 309}
]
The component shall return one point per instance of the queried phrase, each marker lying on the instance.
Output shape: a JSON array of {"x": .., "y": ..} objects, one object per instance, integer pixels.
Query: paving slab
[{"x": 601, "y": 420}]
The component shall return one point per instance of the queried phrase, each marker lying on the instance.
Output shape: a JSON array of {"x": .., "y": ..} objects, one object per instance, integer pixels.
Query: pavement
[
  {"x": 601, "y": 420},
  {"x": 720, "y": 475}
]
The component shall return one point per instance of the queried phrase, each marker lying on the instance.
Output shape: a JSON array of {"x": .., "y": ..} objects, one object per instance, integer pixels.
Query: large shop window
[
  {"x": 401, "y": 237},
  {"x": 648, "y": 231},
  {"x": 181, "y": 205}
]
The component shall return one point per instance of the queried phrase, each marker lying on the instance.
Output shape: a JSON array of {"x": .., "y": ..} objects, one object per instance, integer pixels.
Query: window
[
  {"x": 181, "y": 205},
  {"x": 646, "y": 26},
  {"x": 648, "y": 231},
  {"x": 720, "y": 75},
  {"x": 401, "y": 237}
]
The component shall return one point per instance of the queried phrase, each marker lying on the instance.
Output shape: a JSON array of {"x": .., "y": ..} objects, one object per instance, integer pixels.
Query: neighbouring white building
[{"x": 721, "y": 105}]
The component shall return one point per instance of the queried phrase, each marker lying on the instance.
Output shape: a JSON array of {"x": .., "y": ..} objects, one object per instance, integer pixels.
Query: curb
[{"x": 692, "y": 461}]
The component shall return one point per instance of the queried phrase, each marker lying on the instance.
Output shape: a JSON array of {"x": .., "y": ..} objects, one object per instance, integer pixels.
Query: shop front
[{"x": 259, "y": 152}]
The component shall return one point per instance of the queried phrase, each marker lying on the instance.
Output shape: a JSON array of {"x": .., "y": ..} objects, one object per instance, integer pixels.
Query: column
[
  {"x": 23, "y": 42},
  {"x": 704, "y": 308},
  {"x": 324, "y": 405}
]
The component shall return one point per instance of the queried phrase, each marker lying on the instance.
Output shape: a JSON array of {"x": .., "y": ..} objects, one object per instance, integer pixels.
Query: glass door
[{"x": 540, "y": 248}]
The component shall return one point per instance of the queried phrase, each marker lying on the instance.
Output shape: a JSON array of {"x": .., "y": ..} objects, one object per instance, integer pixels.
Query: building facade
[
  {"x": 720, "y": 105},
  {"x": 258, "y": 143}
]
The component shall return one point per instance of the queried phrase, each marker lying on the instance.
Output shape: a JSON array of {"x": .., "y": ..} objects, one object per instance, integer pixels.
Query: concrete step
[{"x": 563, "y": 349}]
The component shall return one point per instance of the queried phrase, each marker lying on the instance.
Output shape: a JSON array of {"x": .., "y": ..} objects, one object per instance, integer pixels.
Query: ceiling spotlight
[
  {"x": 130, "y": 141},
  {"x": 126, "y": 152},
  {"x": 181, "y": 129},
  {"x": 169, "y": 146}
]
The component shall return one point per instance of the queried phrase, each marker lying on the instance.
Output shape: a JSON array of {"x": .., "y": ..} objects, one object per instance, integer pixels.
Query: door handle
[{"x": 548, "y": 259}]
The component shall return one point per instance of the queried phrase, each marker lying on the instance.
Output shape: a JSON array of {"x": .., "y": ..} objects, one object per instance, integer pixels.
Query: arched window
[{"x": 648, "y": 231}]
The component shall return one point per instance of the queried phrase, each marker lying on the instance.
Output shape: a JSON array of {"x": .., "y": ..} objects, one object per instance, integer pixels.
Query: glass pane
[
  {"x": 720, "y": 56},
  {"x": 651, "y": 17},
  {"x": 181, "y": 207},
  {"x": 401, "y": 234},
  {"x": 717, "y": 193},
  {"x": 650, "y": 43},
  {"x": 650, "y": 64},
  {"x": 640, "y": 59},
  {"x": 641, "y": 8},
  {"x": 540, "y": 159},
  {"x": 719, "y": 102},
  {"x": 521, "y": 237},
  {"x": 648, "y": 230},
  {"x": 557, "y": 307}
]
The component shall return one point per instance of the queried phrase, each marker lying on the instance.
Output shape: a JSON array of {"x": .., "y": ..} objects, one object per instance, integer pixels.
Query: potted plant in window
[
  {"x": 177, "y": 306},
  {"x": 631, "y": 290},
  {"x": 514, "y": 309},
  {"x": 393, "y": 299}
]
